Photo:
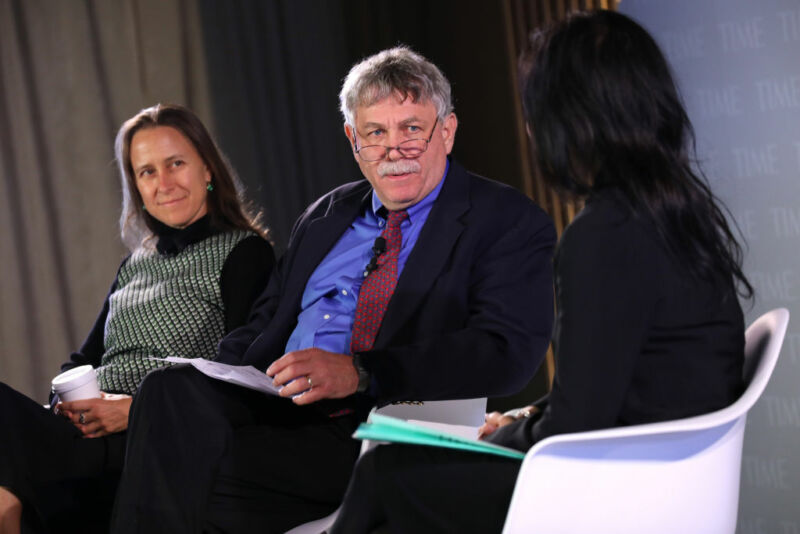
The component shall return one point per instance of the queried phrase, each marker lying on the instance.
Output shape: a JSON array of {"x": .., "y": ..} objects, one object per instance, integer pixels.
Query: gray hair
[{"x": 396, "y": 70}]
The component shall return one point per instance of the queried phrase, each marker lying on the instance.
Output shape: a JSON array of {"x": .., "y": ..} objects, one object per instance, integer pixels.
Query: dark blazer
[
  {"x": 471, "y": 315},
  {"x": 637, "y": 339}
]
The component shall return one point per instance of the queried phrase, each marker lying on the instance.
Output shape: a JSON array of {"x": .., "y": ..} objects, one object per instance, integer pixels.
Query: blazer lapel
[{"x": 433, "y": 247}]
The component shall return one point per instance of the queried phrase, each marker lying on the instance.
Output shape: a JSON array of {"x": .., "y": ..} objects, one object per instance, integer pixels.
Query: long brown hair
[{"x": 226, "y": 204}]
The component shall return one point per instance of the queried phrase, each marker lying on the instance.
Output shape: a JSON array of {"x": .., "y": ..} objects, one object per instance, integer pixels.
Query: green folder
[{"x": 391, "y": 429}]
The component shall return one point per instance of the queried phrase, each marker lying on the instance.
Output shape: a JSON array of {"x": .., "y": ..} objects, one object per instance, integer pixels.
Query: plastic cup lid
[{"x": 74, "y": 378}]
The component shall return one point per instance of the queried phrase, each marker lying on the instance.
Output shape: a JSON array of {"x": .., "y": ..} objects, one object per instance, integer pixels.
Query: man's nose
[{"x": 394, "y": 154}]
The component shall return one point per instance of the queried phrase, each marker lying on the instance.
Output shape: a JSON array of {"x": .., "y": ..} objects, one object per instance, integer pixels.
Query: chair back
[
  {"x": 674, "y": 476},
  {"x": 763, "y": 341}
]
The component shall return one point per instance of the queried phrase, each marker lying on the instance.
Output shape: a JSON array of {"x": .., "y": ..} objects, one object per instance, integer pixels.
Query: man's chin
[{"x": 397, "y": 202}]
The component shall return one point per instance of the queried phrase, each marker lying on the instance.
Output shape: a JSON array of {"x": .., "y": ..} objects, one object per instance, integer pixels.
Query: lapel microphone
[{"x": 377, "y": 249}]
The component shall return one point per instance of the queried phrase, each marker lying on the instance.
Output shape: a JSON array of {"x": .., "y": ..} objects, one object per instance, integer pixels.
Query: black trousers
[
  {"x": 65, "y": 481},
  {"x": 207, "y": 456},
  {"x": 416, "y": 490}
]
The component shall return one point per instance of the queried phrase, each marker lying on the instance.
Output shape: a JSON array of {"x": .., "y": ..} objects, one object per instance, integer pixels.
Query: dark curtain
[{"x": 274, "y": 72}]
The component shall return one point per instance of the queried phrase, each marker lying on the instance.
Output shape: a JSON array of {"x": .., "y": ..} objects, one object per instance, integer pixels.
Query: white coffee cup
[{"x": 76, "y": 384}]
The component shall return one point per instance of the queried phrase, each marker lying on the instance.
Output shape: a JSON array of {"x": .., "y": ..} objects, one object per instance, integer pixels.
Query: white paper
[{"x": 245, "y": 376}]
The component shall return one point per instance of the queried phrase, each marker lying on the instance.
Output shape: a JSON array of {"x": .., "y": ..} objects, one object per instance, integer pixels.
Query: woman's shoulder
[
  {"x": 232, "y": 239},
  {"x": 250, "y": 243},
  {"x": 250, "y": 247},
  {"x": 607, "y": 232},
  {"x": 606, "y": 217}
]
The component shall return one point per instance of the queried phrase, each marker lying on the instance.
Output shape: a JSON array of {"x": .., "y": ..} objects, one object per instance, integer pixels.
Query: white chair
[
  {"x": 673, "y": 477},
  {"x": 463, "y": 417}
]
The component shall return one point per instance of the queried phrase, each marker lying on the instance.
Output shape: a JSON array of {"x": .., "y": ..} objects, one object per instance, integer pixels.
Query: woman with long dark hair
[
  {"x": 199, "y": 258},
  {"x": 648, "y": 325}
]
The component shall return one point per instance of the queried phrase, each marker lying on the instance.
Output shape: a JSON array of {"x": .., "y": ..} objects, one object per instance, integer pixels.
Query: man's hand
[
  {"x": 314, "y": 374},
  {"x": 101, "y": 417}
]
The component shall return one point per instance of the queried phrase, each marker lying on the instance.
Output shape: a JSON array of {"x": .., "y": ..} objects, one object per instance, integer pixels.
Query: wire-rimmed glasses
[{"x": 410, "y": 148}]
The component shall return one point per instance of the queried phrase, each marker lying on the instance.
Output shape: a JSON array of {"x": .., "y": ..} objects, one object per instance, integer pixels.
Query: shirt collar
[{"x": 429, "y": 199}]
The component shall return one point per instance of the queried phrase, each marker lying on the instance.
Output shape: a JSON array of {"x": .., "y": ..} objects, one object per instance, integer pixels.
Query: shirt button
[
  {"x": 326, "y": 316},
  {"x": 344, "y": 292}
]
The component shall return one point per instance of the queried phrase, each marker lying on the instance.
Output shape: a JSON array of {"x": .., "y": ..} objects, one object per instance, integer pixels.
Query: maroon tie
[{"x": 378, "y": 287}]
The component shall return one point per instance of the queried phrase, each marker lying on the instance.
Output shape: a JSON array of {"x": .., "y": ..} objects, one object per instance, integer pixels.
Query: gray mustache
[{"x": 401, "y": 166}]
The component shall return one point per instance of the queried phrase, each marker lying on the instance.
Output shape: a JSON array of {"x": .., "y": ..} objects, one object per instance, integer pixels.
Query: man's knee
[
  {"x": 166, "y": 380},
  {"x": 164, "y": 394}
]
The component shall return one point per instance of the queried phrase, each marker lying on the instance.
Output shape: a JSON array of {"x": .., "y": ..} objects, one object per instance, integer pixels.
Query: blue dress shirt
[{"x": 329, "y": 300}]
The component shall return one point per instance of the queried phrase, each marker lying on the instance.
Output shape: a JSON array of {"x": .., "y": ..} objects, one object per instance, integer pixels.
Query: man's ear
[
  {"x": 350, "y": 133},
  {"x": 449, "y": 127}
]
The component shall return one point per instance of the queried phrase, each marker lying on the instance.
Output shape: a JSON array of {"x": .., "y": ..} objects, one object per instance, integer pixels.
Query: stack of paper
[{"x": 390, "y": 429}]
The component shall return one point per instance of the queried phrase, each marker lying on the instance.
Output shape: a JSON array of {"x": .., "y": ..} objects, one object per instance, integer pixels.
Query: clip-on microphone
[{"x": 377, "y": 249}]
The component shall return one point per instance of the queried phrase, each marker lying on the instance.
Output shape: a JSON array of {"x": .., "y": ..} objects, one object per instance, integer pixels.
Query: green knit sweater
[{"x": 164, "y": 305}]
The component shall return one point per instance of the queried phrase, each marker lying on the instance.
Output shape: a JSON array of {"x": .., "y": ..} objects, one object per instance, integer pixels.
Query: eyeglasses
[{"x": 410, "y": 148}]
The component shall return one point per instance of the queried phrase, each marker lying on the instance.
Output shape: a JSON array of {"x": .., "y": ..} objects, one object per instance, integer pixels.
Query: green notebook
[{"x": 391, "y": 429}]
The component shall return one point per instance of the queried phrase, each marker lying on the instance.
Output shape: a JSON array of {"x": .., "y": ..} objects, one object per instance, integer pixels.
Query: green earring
[
  {"x": 144, "y": 208},
  {"x": 210, "y": 187}
]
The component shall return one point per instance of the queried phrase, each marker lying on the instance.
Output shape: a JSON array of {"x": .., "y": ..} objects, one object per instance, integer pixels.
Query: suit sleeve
[
  {"x": 604, "y": 306},
  {"x": 505, "y": 333}
]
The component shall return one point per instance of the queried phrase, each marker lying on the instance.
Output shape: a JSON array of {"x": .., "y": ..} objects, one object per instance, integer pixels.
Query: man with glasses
[{"x": 423, "y": 282}]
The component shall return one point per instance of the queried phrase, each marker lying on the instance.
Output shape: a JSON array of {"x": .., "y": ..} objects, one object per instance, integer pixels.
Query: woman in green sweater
[{"x": 198, "y": 260}]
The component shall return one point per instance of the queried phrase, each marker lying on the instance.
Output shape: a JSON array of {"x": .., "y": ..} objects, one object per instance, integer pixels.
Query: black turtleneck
[
  {"x": 244, "y": 276},
  {"x": 173, "y": 240}
]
